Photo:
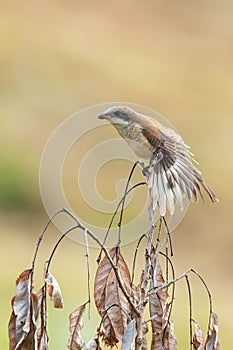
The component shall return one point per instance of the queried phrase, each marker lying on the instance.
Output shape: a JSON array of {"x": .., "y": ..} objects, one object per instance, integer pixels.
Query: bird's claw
[{"x": 145, "y": 169}]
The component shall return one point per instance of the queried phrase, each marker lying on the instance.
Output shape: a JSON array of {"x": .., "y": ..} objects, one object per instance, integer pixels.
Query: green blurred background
[{"x": 59, "y": 57}]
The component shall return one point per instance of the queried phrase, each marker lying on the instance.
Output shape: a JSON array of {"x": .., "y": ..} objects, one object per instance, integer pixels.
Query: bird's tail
[{"x": 169, "y": 183}]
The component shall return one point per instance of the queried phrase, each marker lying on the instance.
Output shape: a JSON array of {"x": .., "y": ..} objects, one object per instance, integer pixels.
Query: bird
[{"x": 171, "y": 173}]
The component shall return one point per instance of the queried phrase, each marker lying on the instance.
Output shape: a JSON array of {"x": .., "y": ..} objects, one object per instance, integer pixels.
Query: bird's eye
[{"x": 117, "y": 113}]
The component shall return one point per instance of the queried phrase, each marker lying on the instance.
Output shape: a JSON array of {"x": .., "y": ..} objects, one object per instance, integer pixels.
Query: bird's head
[{"x": 119, "y": 115}]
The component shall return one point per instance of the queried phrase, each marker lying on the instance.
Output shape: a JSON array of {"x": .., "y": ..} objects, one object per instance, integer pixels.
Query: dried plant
[{"x": 121, "y": 304}]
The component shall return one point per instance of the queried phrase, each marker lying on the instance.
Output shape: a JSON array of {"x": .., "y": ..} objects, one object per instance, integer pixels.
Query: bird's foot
[{"x": 145, "y": 169}]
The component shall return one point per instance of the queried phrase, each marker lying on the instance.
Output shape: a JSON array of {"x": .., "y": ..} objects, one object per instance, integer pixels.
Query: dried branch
[
  {"x": 184, "y": 275},
  {"x": 114, "y": 215},
  {"x": 123, "y": 202},
  {"x": 43, "y": 233},
  {"x": 135, "y": 255},
  {"x": 114, "y": 266},
  {"x": 190, "y": 312},
  {"x": 88, "y": 274}
]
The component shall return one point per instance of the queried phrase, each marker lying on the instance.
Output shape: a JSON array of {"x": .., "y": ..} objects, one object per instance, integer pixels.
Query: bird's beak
[{"x": 103, "y": 116}]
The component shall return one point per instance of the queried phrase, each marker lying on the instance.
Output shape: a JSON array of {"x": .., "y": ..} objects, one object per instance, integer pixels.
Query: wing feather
[{"x": 173, "y": 173}]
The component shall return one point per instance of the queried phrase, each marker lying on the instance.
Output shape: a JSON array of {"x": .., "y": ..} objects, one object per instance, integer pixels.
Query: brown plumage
[{"x": 171, "y": 173}]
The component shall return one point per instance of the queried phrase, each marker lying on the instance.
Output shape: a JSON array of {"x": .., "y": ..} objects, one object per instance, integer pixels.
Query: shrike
[{"x": 171, "y": 173}]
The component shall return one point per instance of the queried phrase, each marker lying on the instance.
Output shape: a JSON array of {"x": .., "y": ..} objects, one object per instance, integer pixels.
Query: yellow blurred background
[{"x": 58, "y": 57}]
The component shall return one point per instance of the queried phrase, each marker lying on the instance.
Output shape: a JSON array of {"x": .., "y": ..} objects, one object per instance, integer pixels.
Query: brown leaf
[
  {"x": 54, "y": 291},
  {"x": 107, "y": 292},
  {"x": 170, "y": 342},
  {"x": 163, "y": 336},
  {"x": 212, "y": 342},
  {"x": 75, "y": 341},
  {"x": 114, "y": 295},
  {"x": 12, "y": 329},
  {"x": 22, "y": 324},
  {"x": 198, "y": 338},
  {"x": 144, "y": 339}
]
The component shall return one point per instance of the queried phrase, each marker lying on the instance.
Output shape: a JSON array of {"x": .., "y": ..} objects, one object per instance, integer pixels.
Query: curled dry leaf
[
  {"x": 108, "y": 295},
  {"x": 163, "y": 336},
  {"x": 198, "y": 338},
  {"x": 22, "y": 324},
  {"x": 54, "y": 290},
  {"x": 75, "y": 341},
  {"x": 212, "y": 342}
]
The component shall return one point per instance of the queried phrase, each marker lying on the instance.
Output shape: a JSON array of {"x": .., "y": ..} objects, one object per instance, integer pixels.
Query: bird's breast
[
  {"x": 140, "y": 148},
  {"x": 133, "y": 135}
]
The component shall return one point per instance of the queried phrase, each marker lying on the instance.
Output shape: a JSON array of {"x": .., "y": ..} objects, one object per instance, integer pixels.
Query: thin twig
[
  {"x": 145, "y": 281},
  {"x": 115, "y": 268},
  {"x": 135, "y": 255},
  {"x": 210, "y": 299},
  {"x": 166, "y": 264},
  {"x": 173, "y": 288},
  {"x": 114, "y": 215},
  {"x": 57, "y": 244},
  {"x": 169, "y": 235},
  {"x": 123, "y": 202},
  {"x": 42, "y": 235},
  {"x": 88, "y": 274},
  {"x": 165, "y": 285},
  {"x": 159, "y": 232},
  {"x": 190, "y": 312}
]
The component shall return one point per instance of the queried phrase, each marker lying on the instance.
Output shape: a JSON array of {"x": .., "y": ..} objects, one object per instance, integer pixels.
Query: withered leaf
[
  {"x": 12, "y": 329},
  {"x": 212, "y": 342},
  {"x": 22, "y": 324},
  {"x": 163, "y": 336},
  {"x": 92, "y": 345},
  {"x": 129, "y": 336},
  {"x": 114, "y": 296},
  {"x": 54, "y": 290},
  {"x": 107, "y": 293},
  {"x": 144, "y": 339},
  {"x": 198, "y": 338},
  {"x": 169, "y": 341},
  {"x": 75, "y": 341}
]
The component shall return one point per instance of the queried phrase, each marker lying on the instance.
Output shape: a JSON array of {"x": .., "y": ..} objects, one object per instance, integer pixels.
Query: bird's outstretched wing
[{"x": 172, "y": 173}]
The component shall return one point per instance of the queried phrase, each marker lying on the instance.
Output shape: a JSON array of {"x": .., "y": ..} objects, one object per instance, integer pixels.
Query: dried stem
[
  {"x": 165, "y": 285},
  {"x": 169, "y": 236},
  {"x": 168, "y": 260},
  {"x": 123, "y": 202},
  {"x": 135, "y": 255},
  {"x": 190, "y": 312},
  {"x": 88, "y": 274},
  {"x": 115, "y": 268},
  {"x": 57, "y": 244},
  {"x": 159, "y": 232},
  {"x": 42, "y": 235},
  {"x": 114, "y": 215}
]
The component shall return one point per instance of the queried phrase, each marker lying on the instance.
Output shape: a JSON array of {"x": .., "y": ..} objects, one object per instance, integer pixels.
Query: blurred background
[{"x": 59, "y": 57}]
